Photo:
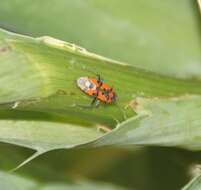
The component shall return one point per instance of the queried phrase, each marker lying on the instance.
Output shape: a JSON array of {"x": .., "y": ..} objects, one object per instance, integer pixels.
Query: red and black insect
[{"x": 96, "y": 88}]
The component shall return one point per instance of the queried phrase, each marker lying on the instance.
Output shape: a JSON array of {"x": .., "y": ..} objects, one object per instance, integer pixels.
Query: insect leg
[
  {"x": 99, "y": 79},
  {"x": 97, "y": 103},
  {"x": 93, "y": 101}
]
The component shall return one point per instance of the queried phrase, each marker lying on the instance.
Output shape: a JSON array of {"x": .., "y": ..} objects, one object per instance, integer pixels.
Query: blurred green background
[
  {"x": 148, "y": 168},
  {"x": 161, "y": 36}
]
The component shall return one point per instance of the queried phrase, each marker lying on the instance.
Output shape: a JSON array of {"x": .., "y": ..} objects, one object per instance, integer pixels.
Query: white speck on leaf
[{"x": 15, "y": 105}]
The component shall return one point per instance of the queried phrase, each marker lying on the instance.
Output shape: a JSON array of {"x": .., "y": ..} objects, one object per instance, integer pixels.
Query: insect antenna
[{"x": 99, "y": 78}]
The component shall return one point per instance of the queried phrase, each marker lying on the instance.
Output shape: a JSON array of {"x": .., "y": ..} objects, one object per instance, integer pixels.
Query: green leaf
[
  {"x": 14, "y": 182},
  {"x": 163, "y": 36},
  {"x": 199, "y": 4},
  {"x": 163, "y": 122},
  {"x": 42, "y": 131},
  {"x": 194, "y": 184},
  {"x": 39, "y": 94}
]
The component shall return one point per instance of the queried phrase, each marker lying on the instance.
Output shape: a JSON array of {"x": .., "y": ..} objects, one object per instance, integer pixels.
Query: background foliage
[{"x": 150, "y": 35}]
